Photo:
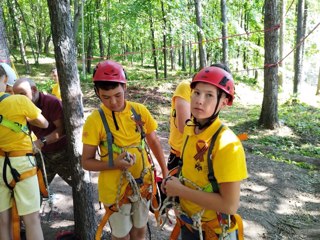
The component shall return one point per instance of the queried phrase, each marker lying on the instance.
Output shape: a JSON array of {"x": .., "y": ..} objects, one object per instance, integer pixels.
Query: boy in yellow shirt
[
  {"x": 124, "y": 164},
  {"x": 16, "y": 157},
  {"x": 55, "y": 87},
  {"x": 204, "y": 202}
]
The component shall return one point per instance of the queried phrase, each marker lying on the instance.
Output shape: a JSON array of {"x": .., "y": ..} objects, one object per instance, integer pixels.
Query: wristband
[{"x": 43, "y": 140}]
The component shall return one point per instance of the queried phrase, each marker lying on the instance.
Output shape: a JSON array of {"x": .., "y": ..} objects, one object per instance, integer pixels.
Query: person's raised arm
[
  {"x": 40, "y": 121},
  {"x": 155, "y": 146},
  {"x": 182, "y": 112}
]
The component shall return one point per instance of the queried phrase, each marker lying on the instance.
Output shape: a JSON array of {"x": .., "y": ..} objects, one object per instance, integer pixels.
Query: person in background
[
  {"x": 124, "y": 165},
  {"x": 55, "y": 87},
  {"x": 180, "y": 113},
  {"x": 52, "y": 140},
  {"x": 16, "y": 157},
  {"x": 12, "y": 77},
  {"x": 209, "y": 149}
]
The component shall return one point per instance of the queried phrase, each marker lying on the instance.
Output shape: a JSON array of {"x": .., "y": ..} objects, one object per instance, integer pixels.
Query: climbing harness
[
  {"x": 215, "y": 229},
  {"x": 136, "y": 190},
  {"x": 44, "y": 188}
]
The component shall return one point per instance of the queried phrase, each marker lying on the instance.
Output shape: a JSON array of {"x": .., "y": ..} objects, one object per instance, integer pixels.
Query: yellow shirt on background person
[
  {"x": 56, "y": 90},
  {"x": 16, "y": 108},
  {"x": 229, "y": 162},
  {"x": 183, "y": 90},
  {"x": 127, "y": 135}
]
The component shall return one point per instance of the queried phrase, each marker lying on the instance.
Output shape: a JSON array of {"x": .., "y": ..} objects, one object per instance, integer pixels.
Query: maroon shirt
[{"x": 52, "y": 110}]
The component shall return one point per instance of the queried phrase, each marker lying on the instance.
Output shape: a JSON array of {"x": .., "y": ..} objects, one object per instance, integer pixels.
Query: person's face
[
  {"x": 9, "y": 90},
  {"x": 24, "y": 88},
  {"x": 204, "y": 101},
  {"x": 113, "y": 99},
  {"x": 54, "y": 75}
]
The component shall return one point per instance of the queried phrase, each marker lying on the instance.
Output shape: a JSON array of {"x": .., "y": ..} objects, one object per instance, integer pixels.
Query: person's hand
[
  {"x": 125, "y": 160},
  {"x": 38, "y": 145},
  {"x": 171, "y": 186}
]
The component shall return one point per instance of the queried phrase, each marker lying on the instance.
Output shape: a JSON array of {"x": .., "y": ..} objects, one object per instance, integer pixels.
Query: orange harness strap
[
  {"x": 144, "y": 191},
  {"x": 14, "y": 210},
  {"x": 16, "y": 153},
  {"x": 209, "y": 228}
]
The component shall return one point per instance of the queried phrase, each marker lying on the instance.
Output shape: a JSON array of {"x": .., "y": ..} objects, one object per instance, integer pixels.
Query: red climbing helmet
[
  {"x": 109, "y": 71},
  {"x": 217, "y": 77}
]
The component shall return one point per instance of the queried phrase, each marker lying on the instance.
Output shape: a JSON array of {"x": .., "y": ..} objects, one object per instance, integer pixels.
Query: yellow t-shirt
[
  {"x": 127, "y": 137},
  {"x": 56, "y": 90},
  {"x": 183, "y": 90},
  {"x": 229, "y": 162},
  {"x": 16, "y": 108}
]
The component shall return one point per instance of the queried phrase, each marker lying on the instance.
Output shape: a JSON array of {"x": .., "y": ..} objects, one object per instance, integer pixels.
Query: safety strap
[
  {"x": 113, "y": 208},
  {"x": 211, "y": 177},
  {"x": 14, "y": 126},
  {"x": 137, "y": 119}
]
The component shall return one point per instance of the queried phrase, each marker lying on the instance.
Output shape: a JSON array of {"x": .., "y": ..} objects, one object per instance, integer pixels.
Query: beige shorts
[
  {"x": 121, "y": 224},
  {"x": 26, "y": 192}
]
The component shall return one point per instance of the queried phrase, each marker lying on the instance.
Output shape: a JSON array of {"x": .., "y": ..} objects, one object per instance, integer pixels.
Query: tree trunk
[
  {"x": 298, "y": 64},
  {"x": 224, "y": 32},
  {"x": 153, "y": 45},
  {"x": 76, "y": 19},
  {"x": 4, "y": 50},
  {"x": 269, "y": 112},
  {"x": 46, "y": 45},
  {"x": 190, "y": 57},
  {"x": 318, "y": 86},
  {"x": 35, "y": 57},
  {"x": 184, "y": 55},
  {"x": 66, "y": 61},
  {"x": 164, "y": 41},
  {"x": 202, "y": 54},
  {"x": 15, "y": 19},
  {"x": 282, "y": 36},
  {"x": 172, "y": 54},
  {"x": 100, "y": 29}
]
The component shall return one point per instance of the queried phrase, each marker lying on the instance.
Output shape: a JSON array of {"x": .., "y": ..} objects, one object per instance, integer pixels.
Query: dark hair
[
  {"x": 222, "y": 65},
  {"x": 2, "y": 72},
  {"x": 106, "y": 85}
]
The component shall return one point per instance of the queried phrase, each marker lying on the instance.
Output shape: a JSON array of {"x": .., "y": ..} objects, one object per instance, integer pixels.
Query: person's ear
[{"x": 4, "y": 79}]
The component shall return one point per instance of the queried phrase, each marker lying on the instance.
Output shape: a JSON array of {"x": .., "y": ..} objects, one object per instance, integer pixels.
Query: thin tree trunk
[
  {"x": 165, "y": 72},
  {"x": 184, "y": 55},
  {"x": 36, "y": 58},
  {"x": 4, "y": 50},
  {"x": 66, "y": 61},
  {"x": 298, "y": 64},
  {"x": 15, "y": 19},
  {"x": 224, "y": 31},
  {"x": 318, "y": 86},
  {"x": 202, "y": 54},
  {"x": 153, "y": 45},
  {"x": 282, "y": 36},
  {"x": 190, "y": 57},
  {"x": 269, "y": 112}
]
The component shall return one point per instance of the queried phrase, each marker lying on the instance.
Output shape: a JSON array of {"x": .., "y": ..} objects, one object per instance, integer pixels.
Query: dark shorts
[
  {"x": 173, "y": 161},
  {"x": 56, "y": 163}
]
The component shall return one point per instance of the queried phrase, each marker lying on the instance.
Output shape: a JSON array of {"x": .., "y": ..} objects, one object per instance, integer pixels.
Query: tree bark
[
  {"x": 183, "y": 55},
  {"x": 269, "y": 112},
  {"x": 202, "y": 54},
  {"x": 4, "y": 50},
  {"x": 65, "y": 56},
  {"x": 164, "y": 40},
  {"x": 224, "y": 32},
  {"x": 318, "y": 85},
  {"x": 298, "y": 63},
  {"x": 282, "y": 36},
  {"x": 153, "y": 45}
]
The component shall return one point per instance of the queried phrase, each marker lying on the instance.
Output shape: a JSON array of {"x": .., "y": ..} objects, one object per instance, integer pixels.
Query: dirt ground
[{"x": 278, "y": 200}]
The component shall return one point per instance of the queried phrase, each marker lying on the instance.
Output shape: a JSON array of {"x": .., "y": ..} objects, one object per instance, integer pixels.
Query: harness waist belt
[
  {"x": 175, "y": 152},
  {"x": 20, "y": 153}
]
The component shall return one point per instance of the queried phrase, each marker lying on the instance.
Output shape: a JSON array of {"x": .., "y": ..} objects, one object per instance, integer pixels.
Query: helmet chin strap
[{"x": 212, "y": 117}]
